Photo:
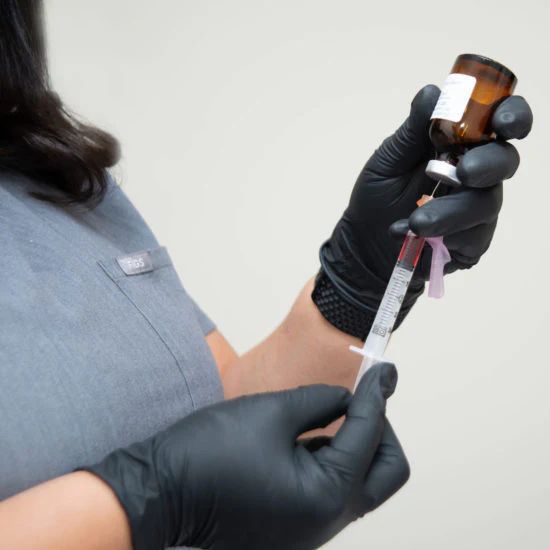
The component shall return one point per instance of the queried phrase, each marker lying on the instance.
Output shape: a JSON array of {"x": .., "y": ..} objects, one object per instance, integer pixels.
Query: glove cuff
[
  {"x": 352, "y": 311},
  {"x": 341, "y": 310},
  {"x": 129, "y": 473}
]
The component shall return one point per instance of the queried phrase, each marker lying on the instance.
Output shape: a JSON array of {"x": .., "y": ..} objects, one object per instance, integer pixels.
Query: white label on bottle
[{"x": 455, "y": 94}]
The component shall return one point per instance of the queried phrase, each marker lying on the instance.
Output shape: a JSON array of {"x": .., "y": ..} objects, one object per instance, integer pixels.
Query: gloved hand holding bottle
[{"x": 358, "y": 259}]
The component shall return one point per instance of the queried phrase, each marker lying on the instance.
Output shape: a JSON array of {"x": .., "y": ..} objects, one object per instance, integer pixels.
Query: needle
[{"x": 435, "y": 188}]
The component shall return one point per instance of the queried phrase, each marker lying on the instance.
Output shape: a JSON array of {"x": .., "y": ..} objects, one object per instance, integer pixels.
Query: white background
[{"x": 244, "y": 124}]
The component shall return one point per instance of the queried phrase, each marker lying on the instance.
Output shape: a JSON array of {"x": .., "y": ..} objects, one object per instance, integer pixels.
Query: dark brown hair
[{"x": 39, "y": 137}]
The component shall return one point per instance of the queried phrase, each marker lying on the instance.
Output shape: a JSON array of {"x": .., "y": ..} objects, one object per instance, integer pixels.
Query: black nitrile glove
[
  {"x": 358, "y": 259},
  {"x": 233, "y": 476}
]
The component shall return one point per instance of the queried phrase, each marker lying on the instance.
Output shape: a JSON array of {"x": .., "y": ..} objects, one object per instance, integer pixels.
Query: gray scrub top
[{"x": 100, "y": 345}]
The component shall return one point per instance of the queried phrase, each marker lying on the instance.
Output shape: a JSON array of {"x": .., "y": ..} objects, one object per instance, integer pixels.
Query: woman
[{"x": 101, "y": 347}]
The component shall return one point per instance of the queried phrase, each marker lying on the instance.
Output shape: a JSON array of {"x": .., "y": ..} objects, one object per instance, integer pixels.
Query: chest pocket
[{"x": 160, "y": 306}]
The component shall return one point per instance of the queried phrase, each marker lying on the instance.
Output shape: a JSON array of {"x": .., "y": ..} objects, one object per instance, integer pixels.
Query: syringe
[{"x": 380, "y": 332}]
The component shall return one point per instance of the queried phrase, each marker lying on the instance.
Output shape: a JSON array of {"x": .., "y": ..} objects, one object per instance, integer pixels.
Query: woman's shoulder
[
  {"x": 117, "y": 217},
  {"x": 114, "y": 219}
]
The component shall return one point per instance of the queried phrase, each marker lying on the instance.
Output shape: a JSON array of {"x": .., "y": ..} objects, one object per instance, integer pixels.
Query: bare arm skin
[
  {"x": 303, "y": 349},
  {"x": 77, "y": 510}
]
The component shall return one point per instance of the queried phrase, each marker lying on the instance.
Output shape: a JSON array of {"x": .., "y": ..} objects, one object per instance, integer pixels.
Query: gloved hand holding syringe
[{"x": 461, "y": 119}]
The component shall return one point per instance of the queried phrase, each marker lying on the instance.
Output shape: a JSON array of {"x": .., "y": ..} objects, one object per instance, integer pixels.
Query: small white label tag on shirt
[
  {"x": 137, "y": 263},
  {"x": 455, "y": 94}
]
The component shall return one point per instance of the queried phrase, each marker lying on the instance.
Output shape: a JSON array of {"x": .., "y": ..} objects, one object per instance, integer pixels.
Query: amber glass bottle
[{"x": 462, "y": 116}]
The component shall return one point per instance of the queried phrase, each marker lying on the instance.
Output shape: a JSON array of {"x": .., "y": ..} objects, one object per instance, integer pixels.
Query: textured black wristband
[
  {"x": 351, "y": 318},
  {"x": 344, "y": 312}
]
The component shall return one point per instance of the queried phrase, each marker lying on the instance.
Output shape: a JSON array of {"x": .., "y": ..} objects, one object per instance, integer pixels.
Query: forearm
[
  {"x": 304, "y": 349},
  {"x": 73, "y": 511}
]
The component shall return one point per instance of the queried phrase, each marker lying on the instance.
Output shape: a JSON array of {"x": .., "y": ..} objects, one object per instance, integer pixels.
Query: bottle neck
[
  {"x": 450, "y": 158},
  {"x": 443, "y": 169}
]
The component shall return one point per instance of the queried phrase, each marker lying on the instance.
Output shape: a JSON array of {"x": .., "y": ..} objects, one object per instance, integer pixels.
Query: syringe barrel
[{"x": 386, "y": 316}]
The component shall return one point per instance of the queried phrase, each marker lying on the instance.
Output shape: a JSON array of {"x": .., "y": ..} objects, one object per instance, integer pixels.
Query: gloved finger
[
  {"x": 453, "y": 266},
  {"x": 423, "y": 269},
  {"x": 488, "y": 165},
  {"x": 457, "y": 212},
  {"x": 466, "y": 248},
  {"x": 399, "y": 229},
  {"x": 513, "y": 118},
  {"x": 410, "y": 144},
  {"x": 471, "y": 243},
  {"x": 354, "y": 445},
  {"x": 389, "y": 471},
  {"x": 309, "y": 407}
]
